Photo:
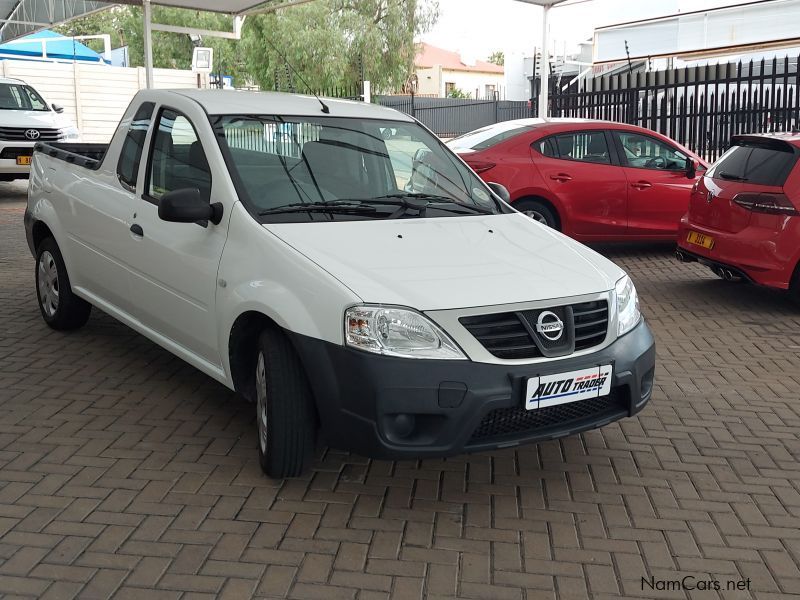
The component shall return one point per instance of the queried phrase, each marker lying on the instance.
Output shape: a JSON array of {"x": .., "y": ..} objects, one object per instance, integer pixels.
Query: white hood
[
  {"x": 453, "y": 262},
  {"x": 35, "y": 119}
]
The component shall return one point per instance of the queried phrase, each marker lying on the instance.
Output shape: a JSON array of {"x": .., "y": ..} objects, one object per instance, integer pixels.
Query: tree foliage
[
  {"x": 498, "y": 58},
  {"x": 329, "y": 42}
]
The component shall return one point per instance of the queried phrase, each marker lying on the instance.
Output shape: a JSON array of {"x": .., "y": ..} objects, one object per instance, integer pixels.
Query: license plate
[
  {"x": 23, "y": 160},
  {"x": 698, "y": 239},
  {"x": 563, "y": 388}
]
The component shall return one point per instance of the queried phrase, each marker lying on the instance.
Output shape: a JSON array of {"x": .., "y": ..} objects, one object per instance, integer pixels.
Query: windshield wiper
[
  {"x": 328, "y": 207},
  {"x": 421, "y": 202},
  {"x": 732, "y": 177}
]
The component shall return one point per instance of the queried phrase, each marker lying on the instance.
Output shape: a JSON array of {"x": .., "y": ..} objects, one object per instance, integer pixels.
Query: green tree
[
  {"x": 329, "y": 42},
  {"x": 458, "y": 93},
  {"x": 498, "y": 58}
]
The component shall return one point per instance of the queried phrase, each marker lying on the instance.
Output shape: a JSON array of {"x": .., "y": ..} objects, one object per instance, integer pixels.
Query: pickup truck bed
[{"x": 89, "y": 156}]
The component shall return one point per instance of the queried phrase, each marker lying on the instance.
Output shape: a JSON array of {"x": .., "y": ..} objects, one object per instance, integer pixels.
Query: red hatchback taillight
[
  {"x": 773, "y": 204},
  {"x": 481, "y": 166}
]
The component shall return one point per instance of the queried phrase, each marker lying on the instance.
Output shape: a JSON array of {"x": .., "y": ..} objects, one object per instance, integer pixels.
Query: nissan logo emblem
[
  {"x": 32, "y": 134},
  {"x": 550, "y": 326}
]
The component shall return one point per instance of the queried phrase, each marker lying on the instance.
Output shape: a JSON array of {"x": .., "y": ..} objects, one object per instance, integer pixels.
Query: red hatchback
[
  {"x": 592, "y": 180},
  {"x": 744, "y": 215}
]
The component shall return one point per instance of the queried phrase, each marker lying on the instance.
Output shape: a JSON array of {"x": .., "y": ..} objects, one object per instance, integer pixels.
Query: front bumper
[{"x": 386, "y": 407}]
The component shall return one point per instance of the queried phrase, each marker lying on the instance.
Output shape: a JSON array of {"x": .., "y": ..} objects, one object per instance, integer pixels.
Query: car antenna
[{"x": 325, "y": 108}]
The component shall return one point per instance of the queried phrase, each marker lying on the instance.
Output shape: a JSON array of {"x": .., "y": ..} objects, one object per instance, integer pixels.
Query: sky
[{"x": 480, "y": 27}]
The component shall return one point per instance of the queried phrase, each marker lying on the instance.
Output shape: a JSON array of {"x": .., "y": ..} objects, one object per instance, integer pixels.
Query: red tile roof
[{"x": 430, "y": 56}]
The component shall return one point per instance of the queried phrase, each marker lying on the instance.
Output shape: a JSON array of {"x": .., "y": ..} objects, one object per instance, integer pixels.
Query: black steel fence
[
  {"x": 701, "y": 107},
  {"x": 449, "y": 117}
]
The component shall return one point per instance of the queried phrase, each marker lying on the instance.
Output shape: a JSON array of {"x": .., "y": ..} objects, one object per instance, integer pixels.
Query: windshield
[
  {"x": 484, "y": 138},
  {"x": 287, "y": 166},
  {"x": 15, "y": 96}
]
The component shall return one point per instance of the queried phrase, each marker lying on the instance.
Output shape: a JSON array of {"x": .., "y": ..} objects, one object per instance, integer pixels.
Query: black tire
[
  {"x": 794, "y": 286},
  {"x": 61, "y": 309},
  {"x": 538, "y": 211},
  {"x": 284, "y": 408}
]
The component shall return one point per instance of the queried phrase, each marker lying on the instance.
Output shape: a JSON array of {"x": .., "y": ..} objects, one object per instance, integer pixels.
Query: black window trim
[
  {"x": 613, "y": 155},
  {"x": 615, "y": 134},
  {"x": 127, "y": 186},
  {"x": 164, "y": 107}
]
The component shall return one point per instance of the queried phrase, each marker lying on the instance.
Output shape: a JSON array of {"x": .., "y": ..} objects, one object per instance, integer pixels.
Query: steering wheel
[{"x": 657, "y": 162}]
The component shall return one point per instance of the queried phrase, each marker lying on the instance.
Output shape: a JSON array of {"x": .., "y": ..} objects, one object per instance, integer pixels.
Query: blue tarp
[{"x": 30, "y": 47}]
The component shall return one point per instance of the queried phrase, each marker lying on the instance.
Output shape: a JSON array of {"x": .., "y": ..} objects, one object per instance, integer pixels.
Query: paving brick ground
[{"x": 125, "y": 472}]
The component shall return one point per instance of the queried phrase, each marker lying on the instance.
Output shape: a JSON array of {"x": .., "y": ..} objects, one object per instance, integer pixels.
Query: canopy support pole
[
  {"x": 147, "y": 15},
  {"x": 544, "y": 67}
]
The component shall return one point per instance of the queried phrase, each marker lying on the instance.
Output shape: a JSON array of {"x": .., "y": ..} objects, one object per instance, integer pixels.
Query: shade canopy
[{"x": 47, "y": 45}]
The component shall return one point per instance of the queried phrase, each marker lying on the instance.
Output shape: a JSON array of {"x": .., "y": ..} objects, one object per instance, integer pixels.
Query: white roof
[{"x": 234, "y": 102}]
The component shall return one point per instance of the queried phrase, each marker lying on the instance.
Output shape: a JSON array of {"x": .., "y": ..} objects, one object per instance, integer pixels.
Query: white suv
[
  {"x": 342, "y": 269},
  {"x": 25, "y": 119}
]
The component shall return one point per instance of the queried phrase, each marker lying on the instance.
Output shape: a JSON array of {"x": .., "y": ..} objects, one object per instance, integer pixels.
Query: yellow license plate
[
  {"x": 23, "y": 160},
  {"x": 698, "y": 239}
]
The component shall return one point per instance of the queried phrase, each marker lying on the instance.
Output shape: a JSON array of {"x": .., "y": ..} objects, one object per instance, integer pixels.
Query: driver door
[{"x": 658, "y": 189}]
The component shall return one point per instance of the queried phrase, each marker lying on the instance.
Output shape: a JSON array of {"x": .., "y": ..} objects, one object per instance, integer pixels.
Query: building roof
[{"x": 431, "y": 56}]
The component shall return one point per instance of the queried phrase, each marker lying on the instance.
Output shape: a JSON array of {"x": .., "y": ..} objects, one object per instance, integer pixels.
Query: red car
[
  {"x": 592, "y": 180},
  {"x": 744, "y": 214}
]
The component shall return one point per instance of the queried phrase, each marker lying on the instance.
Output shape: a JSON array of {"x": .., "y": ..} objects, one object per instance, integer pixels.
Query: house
[{"x": 440, "y": 72}]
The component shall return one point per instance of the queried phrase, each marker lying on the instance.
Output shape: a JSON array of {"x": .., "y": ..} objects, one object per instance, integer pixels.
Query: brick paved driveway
[{"x": 124, "y": 471}]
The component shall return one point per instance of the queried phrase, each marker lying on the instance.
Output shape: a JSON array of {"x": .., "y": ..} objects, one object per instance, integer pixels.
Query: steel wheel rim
[
  {"x": 47, "y": 274},
  {"x": 261, "y": 403},
  {"x": 537, "y": 216}
]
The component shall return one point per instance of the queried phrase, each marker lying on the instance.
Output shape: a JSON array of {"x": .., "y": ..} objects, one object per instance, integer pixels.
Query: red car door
[
  {"x": 658, "y": 186},
  {"x": 579, "y": 168}
]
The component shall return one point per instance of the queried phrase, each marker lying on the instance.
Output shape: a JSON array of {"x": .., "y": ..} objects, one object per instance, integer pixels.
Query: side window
[
  {"x": 177, "y": 158},
  {"x": 584, "y": 146},
  {"x": 547, "y": 147},
  {"x": 644, "y": 152},
  {"x": 131, "y": 154}
]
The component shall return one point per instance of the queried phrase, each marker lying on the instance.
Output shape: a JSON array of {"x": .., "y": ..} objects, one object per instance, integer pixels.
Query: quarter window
[
  {"x": 584, "y": 146},
  {"x": 644, "y": 152},
  {"x": 177, "y": 160},
  {"x": 131, "y": 154}
]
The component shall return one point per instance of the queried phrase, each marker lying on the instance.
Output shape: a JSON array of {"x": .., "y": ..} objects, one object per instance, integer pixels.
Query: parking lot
[{"x": 123, "y": 470}]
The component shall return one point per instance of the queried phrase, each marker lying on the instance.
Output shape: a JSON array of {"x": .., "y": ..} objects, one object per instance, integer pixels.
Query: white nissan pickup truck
[{"x": 340, "y": 268}]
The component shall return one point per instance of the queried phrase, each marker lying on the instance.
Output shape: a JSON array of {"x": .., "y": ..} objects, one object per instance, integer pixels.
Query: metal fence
[
  {"x": 700, "y": 107},
  {"x": 450, "y": 117}
]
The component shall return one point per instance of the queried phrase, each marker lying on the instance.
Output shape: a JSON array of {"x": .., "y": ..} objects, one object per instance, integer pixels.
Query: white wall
[
  {"x": 433, "y": 81},
  {"x": 94, "y": 96}
]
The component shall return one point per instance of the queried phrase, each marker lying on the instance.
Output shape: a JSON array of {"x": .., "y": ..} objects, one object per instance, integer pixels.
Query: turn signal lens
[{"x": 774, "y": 204}]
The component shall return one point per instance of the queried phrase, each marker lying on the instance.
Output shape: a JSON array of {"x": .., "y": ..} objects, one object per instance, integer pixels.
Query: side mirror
[
  {"x": 188, "y": 206},
  {"x": 691, "y": 168},
  {"x": 59, "y": 109},
  {"x": 501, "y": 192}
]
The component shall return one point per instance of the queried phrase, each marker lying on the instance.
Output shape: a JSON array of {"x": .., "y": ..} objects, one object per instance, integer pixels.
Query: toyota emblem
[
  {"x": 550, "y": 326},
  {"x": 32, "y": 134}
]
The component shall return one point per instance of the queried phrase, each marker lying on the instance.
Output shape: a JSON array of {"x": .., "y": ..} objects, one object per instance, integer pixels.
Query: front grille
[
  {"x": 513, "y": 335},
  {"x": 518, "y": 421},
  {"x": 17, "y": 134},
  {"x": 13, "y": 153},
  {"x": 591, "y": 323}
]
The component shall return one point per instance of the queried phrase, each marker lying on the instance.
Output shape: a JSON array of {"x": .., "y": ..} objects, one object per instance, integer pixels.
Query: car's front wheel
[
  {"x": 61, "y": 309},
  {"x": 538, "y": 211},
  {"x": 285, "y": 413}
]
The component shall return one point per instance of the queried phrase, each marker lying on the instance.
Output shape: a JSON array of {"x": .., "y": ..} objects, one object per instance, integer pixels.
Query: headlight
[
  {"x": 628, "y": 314},
  {"x": 70, "y": 133},
  {"x": 397, "y": 332}
]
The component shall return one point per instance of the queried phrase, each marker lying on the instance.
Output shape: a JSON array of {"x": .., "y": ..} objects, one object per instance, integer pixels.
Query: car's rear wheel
[
  {"x": 61, "y": 309},
  {"x": 539, "y": 212},
  {"x": 794, "y": 286},
  {"x": 285, "y": 413}
]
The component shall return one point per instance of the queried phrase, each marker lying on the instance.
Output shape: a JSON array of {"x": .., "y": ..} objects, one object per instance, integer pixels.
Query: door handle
[
  {"x": 137, "y": 230},
  {"x": 641, "y": 185},
  {"x": 561, "y": 177}
]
